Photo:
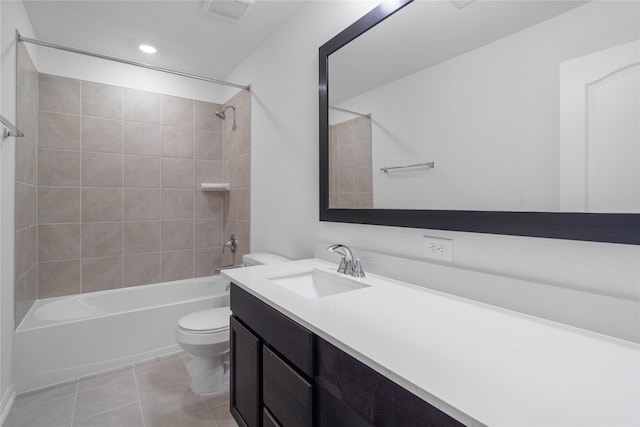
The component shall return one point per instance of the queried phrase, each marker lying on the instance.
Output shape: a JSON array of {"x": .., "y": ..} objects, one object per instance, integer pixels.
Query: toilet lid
[{"x": 210, "y": 320}]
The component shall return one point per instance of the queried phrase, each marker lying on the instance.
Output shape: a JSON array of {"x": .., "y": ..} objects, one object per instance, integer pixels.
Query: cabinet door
[
  {"x": 335, "y": 413},
  {"x": 268, "y": 420},
  {"x": 349, "y": 390},
  {"x": 245, "y": 384}
]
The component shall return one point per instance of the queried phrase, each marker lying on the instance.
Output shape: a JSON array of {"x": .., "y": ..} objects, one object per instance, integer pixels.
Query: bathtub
[{"x": 64, "y": 338}]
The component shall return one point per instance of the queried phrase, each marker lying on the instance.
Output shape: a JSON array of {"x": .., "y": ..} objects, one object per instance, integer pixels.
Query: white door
[{"x": 600, "y": 131}]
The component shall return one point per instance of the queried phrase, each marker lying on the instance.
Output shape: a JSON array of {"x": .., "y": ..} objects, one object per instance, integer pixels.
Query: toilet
[{"x": 204, "y": 335}]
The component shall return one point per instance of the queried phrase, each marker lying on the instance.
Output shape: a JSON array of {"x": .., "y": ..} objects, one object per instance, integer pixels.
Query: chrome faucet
[
  {"x": 348, "y": 265},
  {"x": 232, "y": 244},
  {"x": 346, "y": 260}
]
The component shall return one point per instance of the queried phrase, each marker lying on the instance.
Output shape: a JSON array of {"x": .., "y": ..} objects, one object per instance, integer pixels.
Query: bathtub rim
[{"x": 38, "y": 303}]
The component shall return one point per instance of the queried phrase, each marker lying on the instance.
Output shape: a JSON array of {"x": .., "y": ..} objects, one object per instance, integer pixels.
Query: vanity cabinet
[
  {"x": 282, "y": 375},
  {"x": 271, "y": 366}
]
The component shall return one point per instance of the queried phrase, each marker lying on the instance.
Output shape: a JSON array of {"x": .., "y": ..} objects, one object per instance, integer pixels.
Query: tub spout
[{"x": 227, "y": 267}]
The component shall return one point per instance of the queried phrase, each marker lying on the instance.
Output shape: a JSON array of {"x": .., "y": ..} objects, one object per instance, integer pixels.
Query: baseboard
[{"x": 6, "y": 403}]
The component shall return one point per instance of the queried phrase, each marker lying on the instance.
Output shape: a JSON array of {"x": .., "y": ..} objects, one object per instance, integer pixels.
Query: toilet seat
[{"x": 207, "y": 321}]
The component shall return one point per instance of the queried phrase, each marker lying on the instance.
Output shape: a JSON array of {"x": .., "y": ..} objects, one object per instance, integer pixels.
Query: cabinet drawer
[
  {"x": 293, "y": 341},
  {"x": 286, "y": 394}
]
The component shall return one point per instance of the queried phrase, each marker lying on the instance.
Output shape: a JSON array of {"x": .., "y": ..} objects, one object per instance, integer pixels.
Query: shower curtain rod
[
  {"x": 9, "y": 129},
  {"x": 21, "y": 38},
  {"x": 350, "y": 112}
]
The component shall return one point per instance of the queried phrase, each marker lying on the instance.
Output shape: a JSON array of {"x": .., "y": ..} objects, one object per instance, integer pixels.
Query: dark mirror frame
[{"x": 596, "y": 227}]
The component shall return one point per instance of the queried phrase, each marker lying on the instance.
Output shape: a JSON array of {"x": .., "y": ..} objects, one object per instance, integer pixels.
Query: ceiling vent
[
  {"x": 461, "y": 3},
  {"x": 229, "y": 10}
]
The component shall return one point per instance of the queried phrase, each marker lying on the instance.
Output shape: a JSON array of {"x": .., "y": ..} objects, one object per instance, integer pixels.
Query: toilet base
[{"x": 207, "y": 374}]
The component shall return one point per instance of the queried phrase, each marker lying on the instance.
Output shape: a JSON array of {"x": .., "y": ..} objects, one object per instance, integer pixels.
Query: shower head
[{"x": 223, "y": 115}]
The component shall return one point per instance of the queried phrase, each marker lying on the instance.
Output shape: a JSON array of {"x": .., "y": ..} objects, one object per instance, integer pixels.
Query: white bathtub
[{"x": 64, "y": 338}]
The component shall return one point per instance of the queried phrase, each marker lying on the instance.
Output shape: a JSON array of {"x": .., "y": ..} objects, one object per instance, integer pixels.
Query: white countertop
[{"x": 481, "y": 364}]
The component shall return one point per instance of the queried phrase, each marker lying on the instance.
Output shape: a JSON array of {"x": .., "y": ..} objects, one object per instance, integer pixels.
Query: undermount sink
[{"x": 316, "y": 283}]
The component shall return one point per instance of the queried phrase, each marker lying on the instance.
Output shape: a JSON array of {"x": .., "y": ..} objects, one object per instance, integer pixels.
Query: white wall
[
  {"x": 284, "y": 77},
  {"x": 283, "y": 73},
  {"x": 12, "y": 16},
  {"x": 471, "y": 113},
  {"x": 82, "y": 67}
]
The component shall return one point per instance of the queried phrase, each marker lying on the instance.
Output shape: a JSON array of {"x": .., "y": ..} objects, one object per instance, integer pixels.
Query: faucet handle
[
  {"x": 232, "y": 244},
  {"x": 357, "y": 270}
]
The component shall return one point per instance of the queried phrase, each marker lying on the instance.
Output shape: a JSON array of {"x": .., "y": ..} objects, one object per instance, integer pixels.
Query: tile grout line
[
  {"x": 104, "y": 412},
  {"x": 215, "y": 422},
  {"x": 36, "y": 146},
  {"x": 122, "y": 221},
  {"x": 193, "y": 185},
  {"x": 75, "y": 400},
  {"x": 135, "y": 379},
  {"x": 161, "y": 216},
  {"x": 184, "y": 362},
  {"x": 81, "y": 191},
  {"x": 78, "y": 391},
  {"x": 31, "y": 406}
]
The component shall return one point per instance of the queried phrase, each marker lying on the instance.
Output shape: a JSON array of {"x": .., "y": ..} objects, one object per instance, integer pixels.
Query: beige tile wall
[
  {"x": 26, "y": 268},
  {"x": 237, "y": 158},
  {"x": 119, "y": 172},
  {"x": 350, "y": 179}
]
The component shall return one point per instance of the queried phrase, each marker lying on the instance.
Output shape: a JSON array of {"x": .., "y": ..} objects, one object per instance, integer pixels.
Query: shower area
[
  {"x": 350, "y": 159},
  {"x": 118, "y": 187}
]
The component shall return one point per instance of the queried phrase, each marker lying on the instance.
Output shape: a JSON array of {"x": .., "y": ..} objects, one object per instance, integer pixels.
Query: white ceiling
[{"x": 187, "y": 39}]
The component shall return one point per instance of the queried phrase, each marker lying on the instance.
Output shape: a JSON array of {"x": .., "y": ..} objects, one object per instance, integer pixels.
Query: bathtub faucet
[
  {"x": 227, "y": 267},
  {"x": 232, "y": 244}
]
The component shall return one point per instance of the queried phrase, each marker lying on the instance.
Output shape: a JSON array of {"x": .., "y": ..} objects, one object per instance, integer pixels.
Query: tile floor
[{"x": 143, "y": 395}]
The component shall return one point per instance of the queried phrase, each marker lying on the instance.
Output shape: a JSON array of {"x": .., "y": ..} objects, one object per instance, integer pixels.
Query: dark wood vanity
[{"x": 284, "y": 375}]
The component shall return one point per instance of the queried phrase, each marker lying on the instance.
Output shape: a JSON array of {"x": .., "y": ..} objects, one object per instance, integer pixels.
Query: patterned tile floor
[{"x": 143, "y": 395}]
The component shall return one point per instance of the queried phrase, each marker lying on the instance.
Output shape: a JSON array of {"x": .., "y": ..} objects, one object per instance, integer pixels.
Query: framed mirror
[{"x": 515, "y": 118}]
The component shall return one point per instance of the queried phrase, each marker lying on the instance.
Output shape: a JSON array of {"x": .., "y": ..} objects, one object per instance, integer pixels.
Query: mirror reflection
[{"x": 494, "y": 105}]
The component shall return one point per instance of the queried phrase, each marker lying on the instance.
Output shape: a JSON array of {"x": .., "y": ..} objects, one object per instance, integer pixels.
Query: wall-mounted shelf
[{"x": 215, "y": 186}]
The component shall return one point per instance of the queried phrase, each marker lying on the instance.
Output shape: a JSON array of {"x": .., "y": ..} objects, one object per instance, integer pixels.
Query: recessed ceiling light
[{"x": 147, "y": 48}]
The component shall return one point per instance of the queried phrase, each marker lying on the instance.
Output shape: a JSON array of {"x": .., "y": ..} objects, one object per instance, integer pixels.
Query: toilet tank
[{"x": 262, "y": 258}]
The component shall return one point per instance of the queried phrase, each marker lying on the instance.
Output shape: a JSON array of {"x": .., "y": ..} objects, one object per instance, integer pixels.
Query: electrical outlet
[{"x": 437, "y": 248}]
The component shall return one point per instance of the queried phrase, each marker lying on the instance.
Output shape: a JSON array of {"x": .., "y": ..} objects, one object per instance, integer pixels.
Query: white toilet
[{"x": 204, "y": 335}]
